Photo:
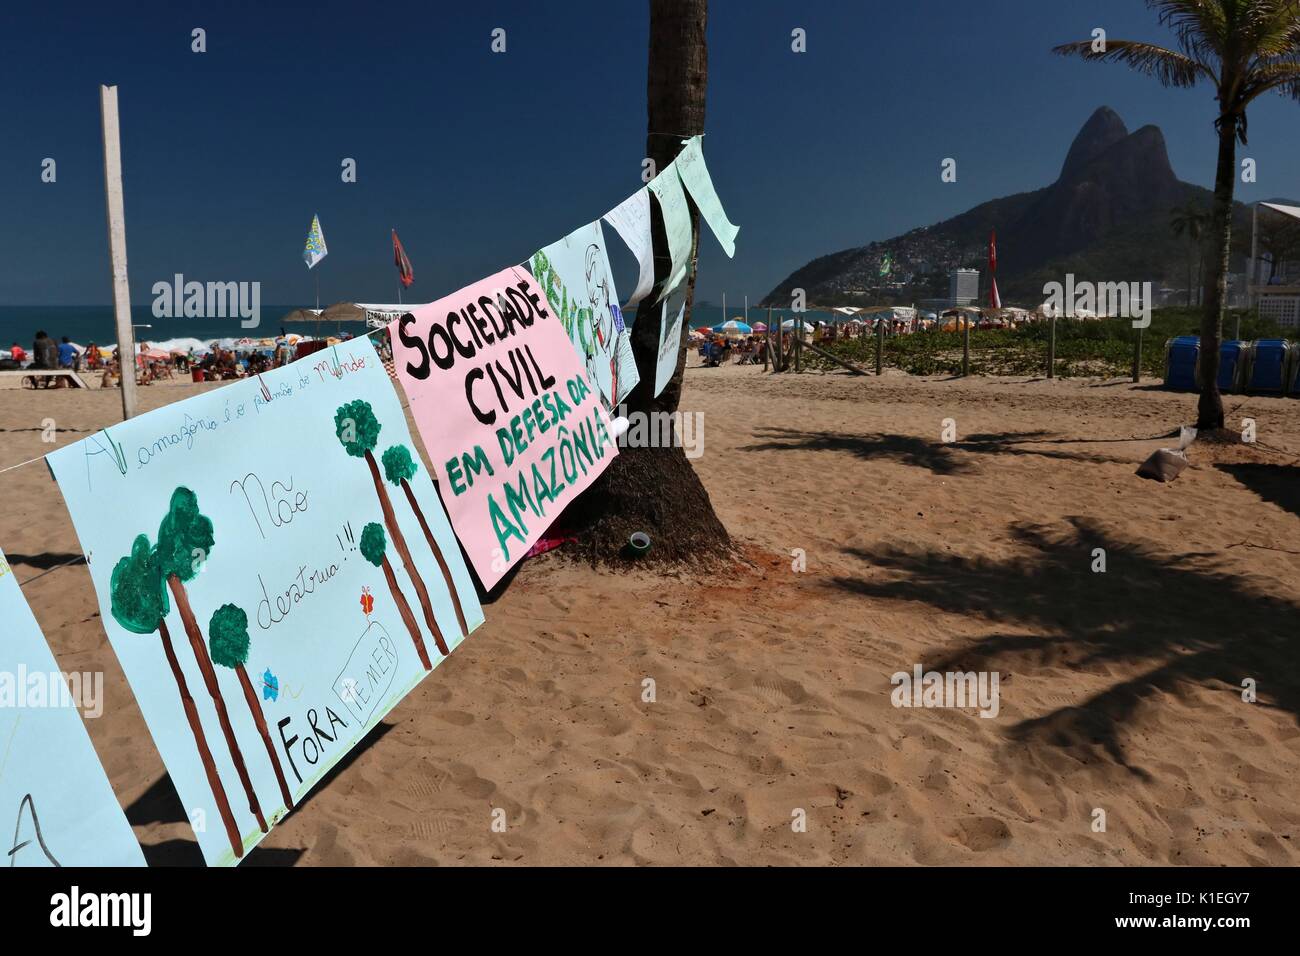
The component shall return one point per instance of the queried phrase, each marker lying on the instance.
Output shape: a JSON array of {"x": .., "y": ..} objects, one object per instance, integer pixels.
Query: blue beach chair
[{"x": 1181, "y": 358}]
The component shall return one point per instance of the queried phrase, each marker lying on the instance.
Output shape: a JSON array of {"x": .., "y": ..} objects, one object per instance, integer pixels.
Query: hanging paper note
[
  {"x": 275, "y": 573},
  {"x": 580, "y": 288},
  {"x": 695, "y": 175},
  {"x": 670, "y": 342},
  {"x": 53, "y": 790},
  {"x": 502, "y": 403},
  {"x": 631, "y": 218},
  {"x": 667, "y": 187}
]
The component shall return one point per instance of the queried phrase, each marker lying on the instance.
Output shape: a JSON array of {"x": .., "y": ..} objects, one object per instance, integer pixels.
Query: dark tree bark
[
  {"x": 656, "y": 490},
  {"x": 1209, "y": 409},
  {"x": 259, "y": 720},
  {"x": 399, "y": 543},
  {"x": 200, "y": 648},
  {"x": 201, "y": 742}
]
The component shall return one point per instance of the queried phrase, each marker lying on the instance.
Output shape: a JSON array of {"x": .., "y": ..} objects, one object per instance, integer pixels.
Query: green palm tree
[
  {"x": 229, "y": 643},
  {"x": 357, "y": 430},
  {"x": 185, "y": 539},
  {"x": 374, "y": 548},
  {"x": 139, "y": 603},
  {"x": 1191, "y": 219},
  {"x": 399, "y": 469},
  {"x": 1244, "y": 48}
]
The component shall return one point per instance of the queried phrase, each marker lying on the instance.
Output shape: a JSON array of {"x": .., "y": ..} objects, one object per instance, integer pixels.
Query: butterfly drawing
[
  {"x": 270, "y": 686},
  {"x": 367, "y": 601}
]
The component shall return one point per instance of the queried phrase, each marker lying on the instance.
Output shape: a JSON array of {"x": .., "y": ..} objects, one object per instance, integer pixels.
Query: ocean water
[{"x": 94, "y": 323}]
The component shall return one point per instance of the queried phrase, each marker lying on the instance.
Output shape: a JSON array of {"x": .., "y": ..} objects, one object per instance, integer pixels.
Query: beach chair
[
  {"x": 1271, "y": 366},
  {"x": 44, "y": 377},
  {"x": 1234, "y": 365},
  {"x": 1182, "y": 357}
]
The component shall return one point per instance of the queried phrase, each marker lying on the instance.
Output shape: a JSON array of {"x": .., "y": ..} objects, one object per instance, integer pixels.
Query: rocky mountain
[{"x": 1106, "y": 218}]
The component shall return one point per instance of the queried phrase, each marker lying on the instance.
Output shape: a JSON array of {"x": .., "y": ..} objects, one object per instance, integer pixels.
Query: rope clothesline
[{"x": 32, "y": 461}]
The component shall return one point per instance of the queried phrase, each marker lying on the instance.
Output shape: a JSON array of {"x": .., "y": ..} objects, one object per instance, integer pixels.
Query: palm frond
[
  {"x": 1168, "y": 66},
  {"x": 1283, "y": 76}
]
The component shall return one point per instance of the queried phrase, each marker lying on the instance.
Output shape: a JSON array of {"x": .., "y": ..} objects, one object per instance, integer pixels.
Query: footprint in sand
[
  {"x": 435, "y": 829},
  {"x": 778, "y": 691},
  {"x": 981, "y": 833}
]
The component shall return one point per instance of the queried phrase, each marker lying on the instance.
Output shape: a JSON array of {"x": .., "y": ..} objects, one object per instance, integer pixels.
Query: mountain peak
[{"x": 1103, "y": 130}]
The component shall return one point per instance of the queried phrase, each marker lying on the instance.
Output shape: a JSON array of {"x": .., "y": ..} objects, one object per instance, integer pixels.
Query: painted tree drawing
[
  {"x": 358, "y": 430},
  {"x": 185, "y": 540},
  {"x": 399, "y": 468},
  {"x": 139, "y": 603},
  {"x": 229, "y": 643},
  {"x": 373, "y": 546}
]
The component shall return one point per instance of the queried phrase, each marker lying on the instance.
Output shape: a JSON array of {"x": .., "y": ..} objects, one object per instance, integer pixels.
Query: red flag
[
  {"x": 404, "y": 270},
  {"x": 995, "y": 300}
]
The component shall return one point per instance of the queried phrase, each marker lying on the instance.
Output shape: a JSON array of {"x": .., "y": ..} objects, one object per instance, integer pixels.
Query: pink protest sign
[{"x": 502, "y": 403}]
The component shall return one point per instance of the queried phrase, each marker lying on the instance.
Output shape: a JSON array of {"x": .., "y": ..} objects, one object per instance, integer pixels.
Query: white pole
[
  {"x": 724, "y": 307},
  {"x": 117, "y": 246},
  {"x": 747, "y": 310},
  {"x": 1254, "y": 264}
]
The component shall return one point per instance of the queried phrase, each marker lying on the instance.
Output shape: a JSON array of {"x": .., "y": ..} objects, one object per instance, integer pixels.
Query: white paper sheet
[{"x": 631, "y": 219}]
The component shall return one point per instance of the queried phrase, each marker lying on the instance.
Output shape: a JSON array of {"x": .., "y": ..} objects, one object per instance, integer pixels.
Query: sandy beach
[{"x": 1120, "y": 691}]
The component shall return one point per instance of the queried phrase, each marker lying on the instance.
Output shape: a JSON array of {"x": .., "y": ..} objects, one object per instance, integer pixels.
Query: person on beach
[
  {"x": 67, "y": 354},
  {"x": 18, "y": 353},
  {"x": 45, "y": 354}
]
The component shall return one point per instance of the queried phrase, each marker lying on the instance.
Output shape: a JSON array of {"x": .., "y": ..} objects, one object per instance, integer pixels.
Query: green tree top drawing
[
  {"x": 357, "y": 428},
  {"x": 373, "y": 544},
  {"x": 183, "y": 531},
  {"x": 398, "y": 464},
  {"x": 138, "y": 598},
  {"x": 228, "y": 636}
]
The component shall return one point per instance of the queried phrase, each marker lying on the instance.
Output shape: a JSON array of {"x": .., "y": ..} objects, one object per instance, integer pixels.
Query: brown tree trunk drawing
[
  {"x": 399, "y": 542},
  {"x": 407, "y": 616},
  {"x": 205, "y": 755},
  {"x": 437, "y": 553},
  {"x": 210, "y": 680},
  {"x": 259, "y": 719}
]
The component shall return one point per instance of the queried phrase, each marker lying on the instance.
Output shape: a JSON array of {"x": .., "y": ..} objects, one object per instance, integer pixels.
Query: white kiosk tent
[{"x": 1279, "y": 301}]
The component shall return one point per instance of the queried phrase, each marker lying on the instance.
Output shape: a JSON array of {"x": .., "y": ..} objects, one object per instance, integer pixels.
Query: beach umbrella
[
  {"x": 704, "y": 330},
  {"x": 760, "y": 327},
  {"x": 733, "y": 327}
]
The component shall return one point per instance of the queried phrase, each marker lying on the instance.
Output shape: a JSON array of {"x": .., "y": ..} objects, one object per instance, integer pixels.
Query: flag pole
[{"x": 117, "y": 247}]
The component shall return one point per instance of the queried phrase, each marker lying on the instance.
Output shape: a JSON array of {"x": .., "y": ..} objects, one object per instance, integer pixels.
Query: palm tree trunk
[
  {"x": 201, "y": 741},
  {"x": 399, "y": 542},
  {"x": 1209, "y": 411},
  {"x": 404, "y": 609},
  {"x": 442, "y": 563},
  {"x": 656, "y": 490},
  {"x": 214, "y": 691},
  {"x": 259, "y": 719}
]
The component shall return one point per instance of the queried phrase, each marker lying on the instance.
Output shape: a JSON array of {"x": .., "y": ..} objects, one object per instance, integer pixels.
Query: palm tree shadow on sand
[
  {"x": 1180, "y": 619},
  {"x": 1279, "y": 484},
  {"x": 937, "y": 457}
]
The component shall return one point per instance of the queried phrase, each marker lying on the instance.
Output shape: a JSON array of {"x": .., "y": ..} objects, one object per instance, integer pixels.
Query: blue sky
[{"x": 478, "y": 158}]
